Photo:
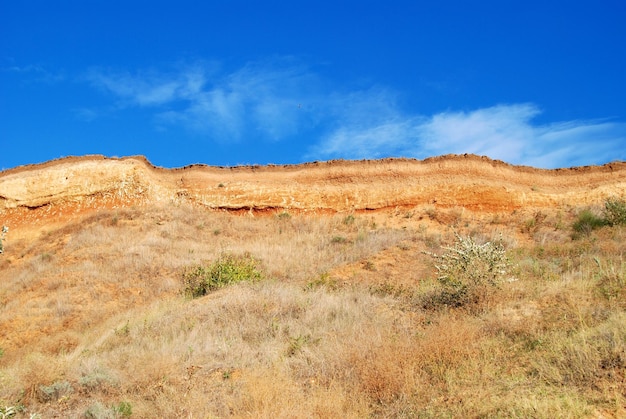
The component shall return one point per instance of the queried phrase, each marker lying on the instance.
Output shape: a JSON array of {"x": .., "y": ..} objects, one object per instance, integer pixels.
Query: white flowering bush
[
  {"x": 469, "y": 271},
  {"x": 615, "y": 211}
]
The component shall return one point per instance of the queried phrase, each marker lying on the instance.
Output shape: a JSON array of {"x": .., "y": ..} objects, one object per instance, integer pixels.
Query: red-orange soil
[{"x": 52, "y": 193}]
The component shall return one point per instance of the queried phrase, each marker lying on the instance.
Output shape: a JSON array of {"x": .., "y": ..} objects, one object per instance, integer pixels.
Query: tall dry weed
[{"x": 100, "y": 322}]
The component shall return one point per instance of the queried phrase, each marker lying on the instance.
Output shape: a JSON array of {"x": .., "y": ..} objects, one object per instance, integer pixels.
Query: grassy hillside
[{"x": 346, "y": 317}]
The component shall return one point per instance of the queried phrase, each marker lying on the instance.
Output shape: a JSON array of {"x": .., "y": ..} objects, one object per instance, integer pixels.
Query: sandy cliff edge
[{"x": 76, "y": 184}]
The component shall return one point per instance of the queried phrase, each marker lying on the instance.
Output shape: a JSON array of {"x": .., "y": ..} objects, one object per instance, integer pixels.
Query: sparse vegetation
[
  {"x": 615, "y": 211},
  {"x": 349, "y": 220},
  {"x": 324, "y": 280},
  {"x": 98, "y": 410},
  {"x": 124, "y": 409},
  {"x": 339, "y": 240},
  {"x": 533, "y": 224},
  {"x": 614, "y": 214},
  {"x": 468, "y": 271},
  {"x": 342, "y": 329},
  {"x": 7, "y": 412},
  {"x": 229, "y": 269},
  {"x": 55, "y": 391},
  {"x": 3, "y": 234},
  {"x": 586, "y": 222}
]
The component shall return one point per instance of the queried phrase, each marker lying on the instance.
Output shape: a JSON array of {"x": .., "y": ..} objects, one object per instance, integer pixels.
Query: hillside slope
[{"x": 348, "y": 320}]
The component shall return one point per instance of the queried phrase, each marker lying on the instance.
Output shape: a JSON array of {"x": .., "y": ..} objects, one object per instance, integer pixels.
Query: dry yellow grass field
[{"x": 347, "y": 320}]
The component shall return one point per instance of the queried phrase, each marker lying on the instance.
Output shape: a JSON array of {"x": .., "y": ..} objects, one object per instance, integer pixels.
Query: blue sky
[{"x": 540, "y": 83}]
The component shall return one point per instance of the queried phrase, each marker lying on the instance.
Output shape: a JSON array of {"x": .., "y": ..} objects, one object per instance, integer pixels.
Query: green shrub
[
  {"x": 324, "y": 280},
  {"x": 228, "y": 269},
  {"x": 124, "y": 409},
  {"x": 469, "y": 271},
  {"x": 587, "y": 222},
  {"x": 615, "y": 211}
]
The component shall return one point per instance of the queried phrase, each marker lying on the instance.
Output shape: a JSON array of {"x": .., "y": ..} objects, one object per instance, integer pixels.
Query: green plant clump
[
  {"x": 587, "y": 222},
  {"x": 468, "y": 271},
  {"x": 124, "y": 409},
  {"x": 228, "y": 269}
]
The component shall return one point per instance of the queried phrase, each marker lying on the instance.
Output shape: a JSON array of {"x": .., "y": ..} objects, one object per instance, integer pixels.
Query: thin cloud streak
[
  {"x": 279, "y": 101},
  {"x": 260, "y": 99},
  {"x": 148, "y": 90},
  {"x": 504, "y": 132}
]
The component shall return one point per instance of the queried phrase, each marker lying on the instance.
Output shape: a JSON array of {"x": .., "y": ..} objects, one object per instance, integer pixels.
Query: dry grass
[{"x": 93, "y": 320}]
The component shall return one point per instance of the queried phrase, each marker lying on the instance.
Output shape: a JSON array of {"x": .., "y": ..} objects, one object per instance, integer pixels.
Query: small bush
[
  {"x": 612, "y": 282},
  {"x": 296, "y": 343},
  {"x": 228, "y": 269},
  {"x": 96, "y": 380},
  {"x": 587, "y": 222},
  {"x": 55, "y": 391},
  {"x": 339, "y": 240},
  {"x": 615, "y": 211},
  {"x": 98, "y": 410},
  {"x": 469, "y": 271},
  {"x": 349, "y": 220},
  {"x": 324, "y": 280},
  {"x": 124, "y": 409}
]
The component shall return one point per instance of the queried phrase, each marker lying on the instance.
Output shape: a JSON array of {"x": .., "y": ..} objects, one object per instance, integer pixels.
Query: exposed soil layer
[{"x": 61, "y": 190}]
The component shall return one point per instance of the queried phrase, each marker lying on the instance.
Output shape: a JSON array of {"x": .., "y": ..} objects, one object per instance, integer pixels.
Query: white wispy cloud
[
  {"x": 262, "y": 99},
  {"x": 504, "y": 132},
  {"x": 34, "y": 73},
  {"x": 148, "y": 89},
  {"x": 281, "y": 99}
]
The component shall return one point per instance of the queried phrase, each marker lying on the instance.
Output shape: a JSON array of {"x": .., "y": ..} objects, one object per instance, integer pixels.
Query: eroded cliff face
[
  {"x": 64, "y": 188},
  {"x": 54, "y": 212}
]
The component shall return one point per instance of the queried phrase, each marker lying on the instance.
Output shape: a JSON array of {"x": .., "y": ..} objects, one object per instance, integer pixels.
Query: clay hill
[
  {"x": 59, "y": 190},
  {"x": 321, "y": 296}
]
